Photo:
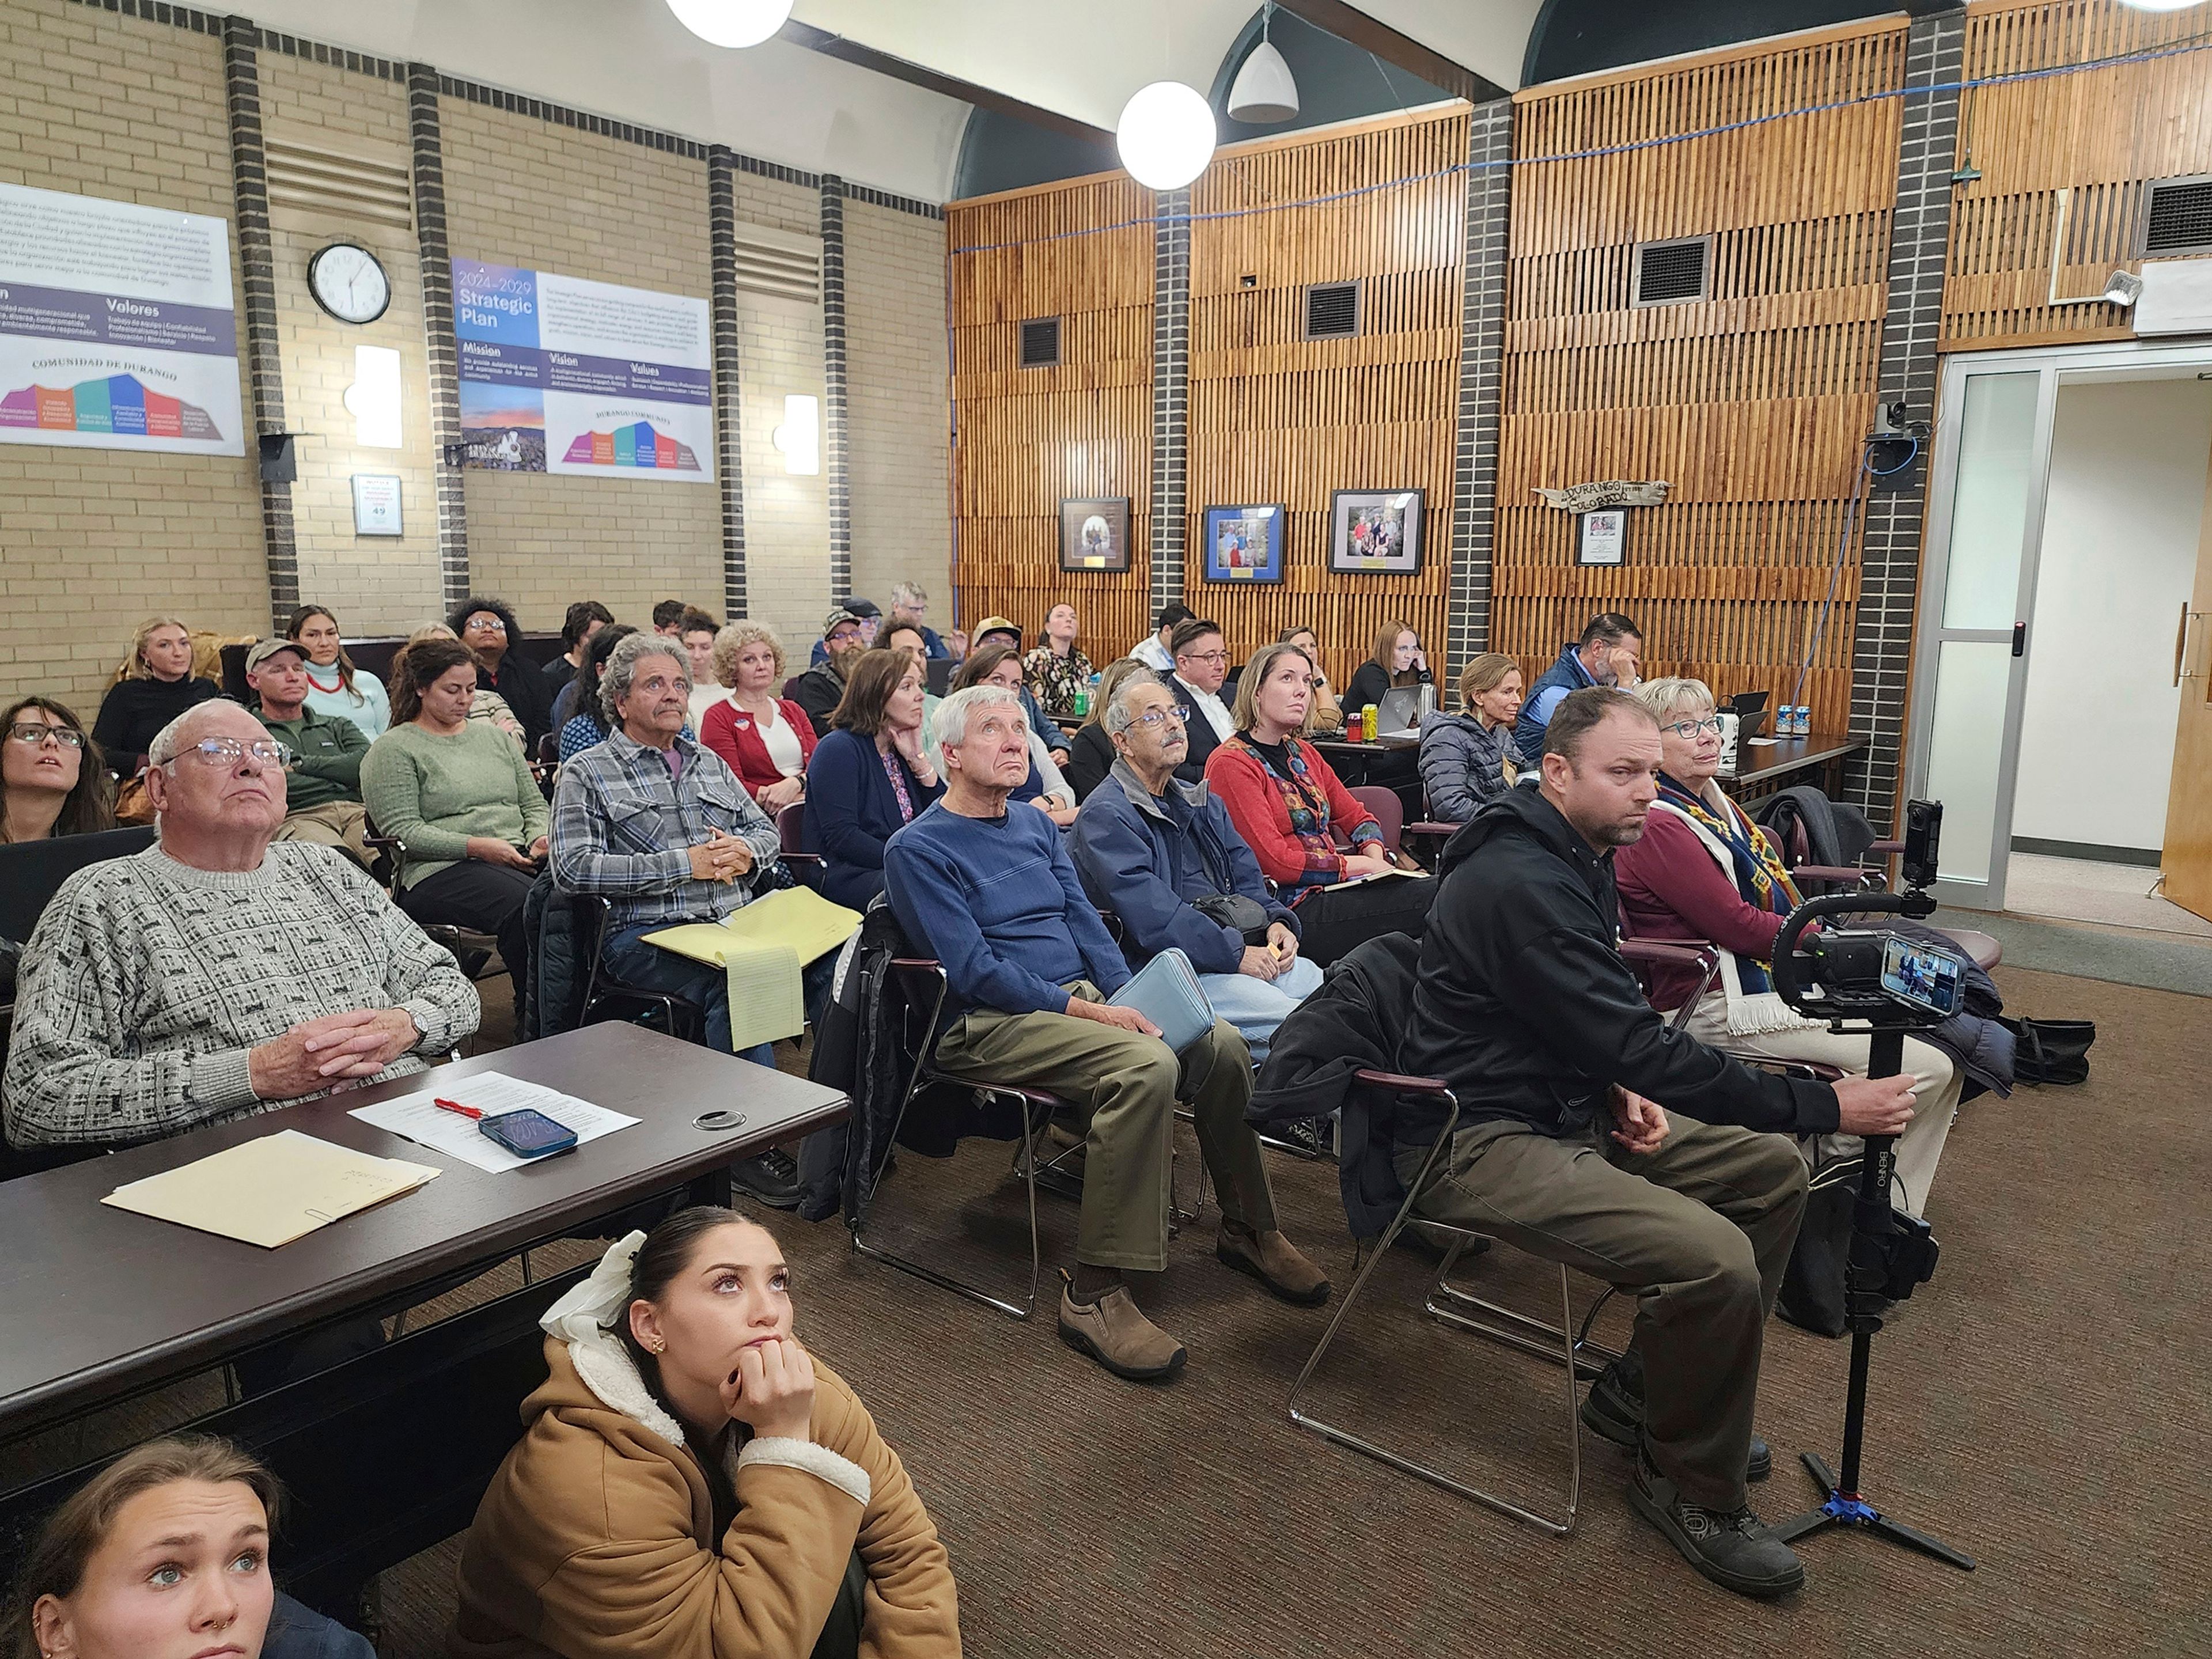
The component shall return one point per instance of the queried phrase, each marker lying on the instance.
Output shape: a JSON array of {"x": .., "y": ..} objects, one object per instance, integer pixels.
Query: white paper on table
[{"x": 490, "y": 1093}]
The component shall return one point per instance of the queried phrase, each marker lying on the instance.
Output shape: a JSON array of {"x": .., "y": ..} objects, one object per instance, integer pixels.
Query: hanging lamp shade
[
  {"x": 1265, "y": 90},
  {"x": 1166, "y": 135},
  {"x": 731, "y": 23}
]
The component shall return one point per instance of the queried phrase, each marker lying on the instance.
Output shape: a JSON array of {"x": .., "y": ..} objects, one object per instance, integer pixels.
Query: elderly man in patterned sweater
[{"x": 217, "y": 975}]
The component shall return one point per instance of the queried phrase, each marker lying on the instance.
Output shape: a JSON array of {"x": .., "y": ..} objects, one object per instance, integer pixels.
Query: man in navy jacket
[{"x": 1148, "y": 846}]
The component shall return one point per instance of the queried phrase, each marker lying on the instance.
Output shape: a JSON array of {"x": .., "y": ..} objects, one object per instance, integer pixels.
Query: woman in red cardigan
[{"x": 766, "y": 739}]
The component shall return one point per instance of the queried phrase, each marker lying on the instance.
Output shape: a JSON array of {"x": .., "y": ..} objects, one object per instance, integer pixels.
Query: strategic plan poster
[
  {"x": 559, "y": 375},
  {"x": 117, "y": 330}
]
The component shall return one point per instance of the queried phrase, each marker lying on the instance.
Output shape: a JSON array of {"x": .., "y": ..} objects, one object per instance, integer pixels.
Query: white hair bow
[{"x": 589, "y": 1309}]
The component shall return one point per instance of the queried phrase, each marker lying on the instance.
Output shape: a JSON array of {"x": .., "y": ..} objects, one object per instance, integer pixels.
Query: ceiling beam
[
  {"x": 900, "y": 69},
  {"x": 1355, "y": 27}
]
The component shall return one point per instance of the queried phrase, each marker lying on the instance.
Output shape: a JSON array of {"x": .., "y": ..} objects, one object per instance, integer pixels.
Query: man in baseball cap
[
  {"x": 822, "y": 687},
  {"x": 322, "y": 782}
]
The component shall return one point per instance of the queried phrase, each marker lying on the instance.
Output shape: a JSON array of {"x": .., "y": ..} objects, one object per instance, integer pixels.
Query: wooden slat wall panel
[
  {"x": 2104, "y": 133},
  {"x": 1274, "y": 417},
  {"x": 1751, "y": 404},
  {"x": 1028, "y": 437}
]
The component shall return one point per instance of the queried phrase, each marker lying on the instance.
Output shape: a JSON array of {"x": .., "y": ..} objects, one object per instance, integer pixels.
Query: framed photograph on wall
[
  {"x": 1094, "y": 533},
  {"x": 1603, "y": 535},
  {"x": 1375, "y": 532},
  {"x": 1243, "y": 544}
]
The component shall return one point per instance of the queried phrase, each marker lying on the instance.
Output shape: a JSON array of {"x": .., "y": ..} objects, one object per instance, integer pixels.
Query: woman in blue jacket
[{"x": 869, "y": 777}]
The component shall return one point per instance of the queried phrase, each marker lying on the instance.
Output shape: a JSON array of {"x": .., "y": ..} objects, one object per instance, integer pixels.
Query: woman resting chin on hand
[{"x": 691, "y": 1484}]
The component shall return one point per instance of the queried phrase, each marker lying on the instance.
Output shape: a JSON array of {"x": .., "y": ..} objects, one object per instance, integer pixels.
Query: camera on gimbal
[{"x": 1864, "y": 979}]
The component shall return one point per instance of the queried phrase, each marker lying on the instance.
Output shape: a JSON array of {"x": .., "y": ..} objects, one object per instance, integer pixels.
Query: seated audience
[
  {"x": 460, "y": 798},
  {"x": 1151, "y": 849},
  {"x": 864, "y": 614},
  {"x": 870, "y": 776},
  {"x": 821, "y": 687},
  {"x": 697, "y": 631},
  {"x": 1524, "y": 1005},
  {"x": 1202, "y": 665},
  {"x": 488, "y": 629},
  {"x": 53, "y": 779},
  {"x": 1703, "y": 870},
  {"x": 322, "y": 786},
  {"x": 166, "y": 1552},
  {"x": 585, "y": 724},
  {"x": 215, "y": 975},
  {"x": 909, "y": 606},
  {"x": 1157, "y": 652},
  {"x": 998, "y": 630},
  {"x": 486, "y": 708},
  {"x": 905, "y": 637},
  {"x": 1056, "y": 672},
  {"x": 335, "y": 686},
  {"x": 157, "y": 686},
  {"x": 585, "y": 619},
  {"x": 1468, "y": 759},
  {"x": 668, "y": 615},
  {"x": 690, "y": 1481},
  {"x": 991, "y": 893},
  {"x": 1092, "y": 753},
  {"x": 1046, "y": 788},
  {"x": 1398, "y": 660},
  {"x": 1328, "y": 713},
  {"x": 1610, "y": 652},
  {"x": 765, "y": 738}
]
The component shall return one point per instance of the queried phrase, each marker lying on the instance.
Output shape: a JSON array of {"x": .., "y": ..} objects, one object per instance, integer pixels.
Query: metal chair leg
[{"x": 1519, "y": 1330}]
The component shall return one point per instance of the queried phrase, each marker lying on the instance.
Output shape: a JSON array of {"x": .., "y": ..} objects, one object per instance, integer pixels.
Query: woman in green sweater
[{"x": 459, "y": 796}]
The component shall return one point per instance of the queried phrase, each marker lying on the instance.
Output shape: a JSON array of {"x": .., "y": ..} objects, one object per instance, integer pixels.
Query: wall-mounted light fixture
[
  {"x": 2122, "y": 287},
  {"x": 800, "y": 437},
  {"x": 373, "y": 399},
  {"x": 731, "y": 23}
]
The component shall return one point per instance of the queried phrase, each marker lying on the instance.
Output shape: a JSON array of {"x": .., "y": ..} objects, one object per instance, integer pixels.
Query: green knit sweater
[{"x": 435, "y": 792}]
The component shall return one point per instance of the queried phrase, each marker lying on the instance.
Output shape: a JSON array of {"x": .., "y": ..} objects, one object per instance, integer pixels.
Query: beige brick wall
[
  {"x": 376, "y": 584},
  {"x": 896, "y": 399},
  {"x": 91, "y": 539},
  {"x": 523, "y": 192}
]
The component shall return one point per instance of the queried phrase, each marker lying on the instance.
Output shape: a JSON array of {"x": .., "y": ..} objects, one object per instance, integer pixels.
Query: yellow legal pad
[
  {"x": 271, "y": 1190},
  {"x": 761, "y": 948}
]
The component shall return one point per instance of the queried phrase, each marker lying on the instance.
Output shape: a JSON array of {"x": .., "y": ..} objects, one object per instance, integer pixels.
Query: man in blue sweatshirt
[{"x": 1030, "y": 965}]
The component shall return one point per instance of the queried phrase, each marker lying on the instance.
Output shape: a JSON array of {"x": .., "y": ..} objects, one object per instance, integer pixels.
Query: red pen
[{"x": 455, "y": 1106}]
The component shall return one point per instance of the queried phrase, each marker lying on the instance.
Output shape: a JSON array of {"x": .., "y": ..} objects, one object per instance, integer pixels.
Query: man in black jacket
[{"x": 1523, "y": 1005}]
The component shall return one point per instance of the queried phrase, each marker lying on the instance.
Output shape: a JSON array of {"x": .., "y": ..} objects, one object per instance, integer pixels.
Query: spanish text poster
[
  {"x": 117, "y": 330},
  {"x": 559, "y": 375}
]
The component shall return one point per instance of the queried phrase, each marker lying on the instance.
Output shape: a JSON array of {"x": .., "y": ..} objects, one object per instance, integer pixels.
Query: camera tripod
[{"x": 1843, "y": 1503}]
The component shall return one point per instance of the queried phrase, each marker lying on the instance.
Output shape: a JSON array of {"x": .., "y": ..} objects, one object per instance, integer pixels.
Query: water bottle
[{"x": 1428, "y": 704}]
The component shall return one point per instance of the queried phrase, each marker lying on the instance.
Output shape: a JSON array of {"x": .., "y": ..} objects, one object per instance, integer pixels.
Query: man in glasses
[
  {"x": 822, "y": 687},
  {"x": 216, "y": 973},
  {"x": 322, "y": 794},
  {"x": 1202, "y": 665}
]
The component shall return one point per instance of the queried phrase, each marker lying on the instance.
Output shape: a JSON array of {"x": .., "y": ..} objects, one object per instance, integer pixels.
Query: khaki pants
[
  {"x": 1699, "y": 1231},
  {"x": 1126, "y": 1086},
  {"x": 339, "y": 823},
  {"x": 1935, "y": 1093}
]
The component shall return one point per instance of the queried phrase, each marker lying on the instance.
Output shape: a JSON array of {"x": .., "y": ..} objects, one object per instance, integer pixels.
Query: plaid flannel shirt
[{"x": 624, "y": 828}]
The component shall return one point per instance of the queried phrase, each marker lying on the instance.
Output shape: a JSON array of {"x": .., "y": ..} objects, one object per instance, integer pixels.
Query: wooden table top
[{"x": 1756, "y": 761}]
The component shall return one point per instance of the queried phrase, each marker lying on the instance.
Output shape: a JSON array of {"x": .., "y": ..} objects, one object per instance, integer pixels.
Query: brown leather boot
[
  {"x": 1275, "y": 1262},
  {"x": 1114, "y": 1333}
]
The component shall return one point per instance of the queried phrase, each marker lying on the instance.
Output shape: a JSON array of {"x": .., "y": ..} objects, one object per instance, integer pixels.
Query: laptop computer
[
  {"x": 1399, "y": 713},
  {"x": 1749, "y": 709},
  {"x": 936, "y": 674}
]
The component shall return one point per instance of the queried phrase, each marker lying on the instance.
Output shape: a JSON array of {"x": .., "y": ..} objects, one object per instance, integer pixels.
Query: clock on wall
[{"x": 347, "y": 282}]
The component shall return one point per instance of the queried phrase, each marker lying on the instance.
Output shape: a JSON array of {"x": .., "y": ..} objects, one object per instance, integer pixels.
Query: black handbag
[
  {"x": 1812, "y": 1295},
  {"x": 1235, "y": 910},
  {"x": 2050, "y": 1050}
]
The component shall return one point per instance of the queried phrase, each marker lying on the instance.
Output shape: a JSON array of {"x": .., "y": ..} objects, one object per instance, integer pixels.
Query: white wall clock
[{"x": 347, "y": 282}]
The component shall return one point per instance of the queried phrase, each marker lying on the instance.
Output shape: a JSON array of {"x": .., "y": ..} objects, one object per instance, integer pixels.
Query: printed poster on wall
[
  {"x": 559, "y": 375},
  {"x": 117, "y": 330}
]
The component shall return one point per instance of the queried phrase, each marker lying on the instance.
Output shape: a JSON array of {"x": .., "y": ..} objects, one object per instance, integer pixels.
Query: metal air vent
[
  {"x": 778, "y": 263},
  {"x": 2178, "y": 217},
  {"x": 1041, "y": 343},
  {"x": 1332, "y": 311},
  {"x": 333, "y": 181},
  {"x": 1669, "y": 272}
]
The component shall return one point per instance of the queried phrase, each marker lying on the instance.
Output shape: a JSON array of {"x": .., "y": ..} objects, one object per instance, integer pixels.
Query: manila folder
[{"x": 271, "y": 1190}]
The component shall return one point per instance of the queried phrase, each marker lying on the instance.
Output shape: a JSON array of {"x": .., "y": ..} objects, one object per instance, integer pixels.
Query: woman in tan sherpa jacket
[{"x": 690, "y": 1485}]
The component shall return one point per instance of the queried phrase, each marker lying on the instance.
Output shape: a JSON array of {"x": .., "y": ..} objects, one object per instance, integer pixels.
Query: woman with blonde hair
[
  {"x": 765, "y": 738},
  {"x": 1468, "y": 758},
  {"x": 158, "y": 685},
  {"x": 1398, "y": 660},
  {"x": 1327, "y": 715}
]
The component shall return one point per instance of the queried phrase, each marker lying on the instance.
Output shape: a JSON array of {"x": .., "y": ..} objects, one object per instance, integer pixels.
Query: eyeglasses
[
  {"x": 1152, "y": 717},
  {"x": 229, "y": 751},
  {"x": 1207, "y": 656},
  {"x": 1691, "y": 731},
  {"x": 486, "y": 625},
  {"x": 32, "y": 733}
]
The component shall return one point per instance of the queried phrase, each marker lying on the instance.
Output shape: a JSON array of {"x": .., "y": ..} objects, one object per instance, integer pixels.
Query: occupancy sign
[
  {"x": 117, "y": 330},
  {"x": 559, "y": 375}
]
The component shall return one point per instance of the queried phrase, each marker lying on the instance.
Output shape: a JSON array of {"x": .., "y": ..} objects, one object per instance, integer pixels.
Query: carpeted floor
[
  {"x": 2041, "y": 1404},
  {"x": 2163, "y": 961}
]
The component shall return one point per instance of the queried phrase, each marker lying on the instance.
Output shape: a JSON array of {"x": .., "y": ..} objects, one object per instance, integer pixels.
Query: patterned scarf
[{"x": 1760, "y": 875}]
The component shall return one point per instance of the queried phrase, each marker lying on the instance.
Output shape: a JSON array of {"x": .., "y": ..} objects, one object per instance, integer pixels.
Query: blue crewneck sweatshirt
[{"x": 998, "y": 901}]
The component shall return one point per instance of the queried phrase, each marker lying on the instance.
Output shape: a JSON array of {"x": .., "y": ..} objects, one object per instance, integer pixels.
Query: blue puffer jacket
[
  {"x": 1566, "y": 675},
  {"x": 1463, "y": 765},
  {"x": 1138, "y": 864}
]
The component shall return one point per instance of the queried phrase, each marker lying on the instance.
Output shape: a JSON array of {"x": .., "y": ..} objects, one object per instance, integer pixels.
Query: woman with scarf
[{"x": 1703, "y": 871}]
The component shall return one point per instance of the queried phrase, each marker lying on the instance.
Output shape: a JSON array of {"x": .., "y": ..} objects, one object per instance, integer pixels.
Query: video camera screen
[{"x": 1926, "y": 975}]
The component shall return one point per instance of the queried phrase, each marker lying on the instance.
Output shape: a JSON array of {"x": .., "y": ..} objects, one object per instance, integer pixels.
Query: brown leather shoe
[
  {"x": 1115, "y": 1334},
  {"x": 1275, "y": 1262}
]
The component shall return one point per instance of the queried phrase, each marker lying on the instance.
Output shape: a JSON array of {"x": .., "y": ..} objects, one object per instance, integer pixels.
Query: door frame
[{"x": 2117, "y": 360}]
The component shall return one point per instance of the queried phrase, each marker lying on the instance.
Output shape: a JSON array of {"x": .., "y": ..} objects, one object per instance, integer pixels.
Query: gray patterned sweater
[{"x": 147, "y": 981}]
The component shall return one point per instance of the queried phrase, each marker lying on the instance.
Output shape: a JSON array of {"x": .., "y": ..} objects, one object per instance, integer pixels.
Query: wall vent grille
[{"x": 1668, "y": 273}]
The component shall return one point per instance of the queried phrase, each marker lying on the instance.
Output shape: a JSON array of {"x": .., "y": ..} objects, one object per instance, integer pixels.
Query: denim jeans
[
  {"x": 649, "y": 968},
  {"x": 1256, "y": 1006}
]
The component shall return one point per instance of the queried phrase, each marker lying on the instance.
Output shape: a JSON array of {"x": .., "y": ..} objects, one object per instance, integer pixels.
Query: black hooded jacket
[{"x": 1524, "y": 1006}]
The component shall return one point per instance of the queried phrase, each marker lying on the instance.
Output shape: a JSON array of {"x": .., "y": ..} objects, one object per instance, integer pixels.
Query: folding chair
[
  {"x": 1386, "y": 808},
  {"x": 795, "y": 847},
  {"x": 682, "y": 1017}
]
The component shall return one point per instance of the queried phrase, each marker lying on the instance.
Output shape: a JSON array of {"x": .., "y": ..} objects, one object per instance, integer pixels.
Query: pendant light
[
  {"x": 1265, "y": 91},
  {"x": 731, "y": 23},
  {"x": 1166, "y": 134}
]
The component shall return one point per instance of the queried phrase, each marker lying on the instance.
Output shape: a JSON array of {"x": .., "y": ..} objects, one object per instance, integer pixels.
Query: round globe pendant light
[
  {"x": 731, "y": 23},
  {"x": 1166, "y": 134},
  {"x": 2160, "y": 5}
]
